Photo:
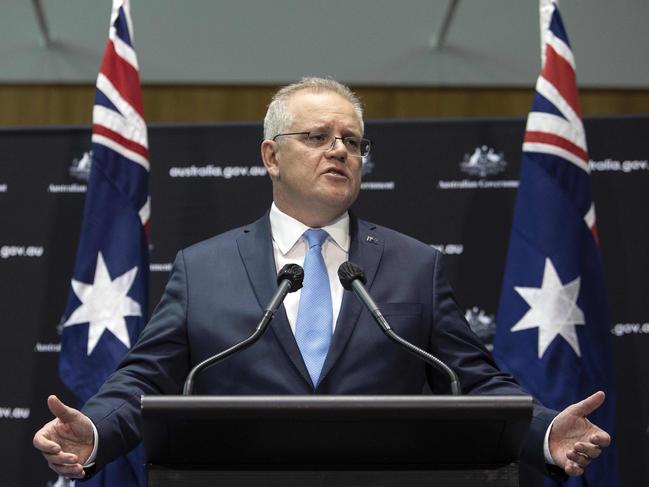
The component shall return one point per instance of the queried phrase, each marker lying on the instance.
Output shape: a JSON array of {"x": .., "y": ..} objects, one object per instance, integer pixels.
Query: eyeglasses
[{"x": 356, "y": 146}]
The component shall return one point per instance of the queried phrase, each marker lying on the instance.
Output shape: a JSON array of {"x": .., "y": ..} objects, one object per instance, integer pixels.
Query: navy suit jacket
[{"x": 215, "y": 297}]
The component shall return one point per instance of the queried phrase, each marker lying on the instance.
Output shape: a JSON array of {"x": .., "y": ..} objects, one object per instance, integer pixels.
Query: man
[{"x": 321, "y": 341}]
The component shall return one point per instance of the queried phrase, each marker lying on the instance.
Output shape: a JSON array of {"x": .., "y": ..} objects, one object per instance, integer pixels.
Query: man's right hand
[{"x": 66, "y": 442}]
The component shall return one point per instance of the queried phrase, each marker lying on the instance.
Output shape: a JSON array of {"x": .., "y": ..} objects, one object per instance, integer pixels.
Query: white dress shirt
[{"x": 290, "y": 247}]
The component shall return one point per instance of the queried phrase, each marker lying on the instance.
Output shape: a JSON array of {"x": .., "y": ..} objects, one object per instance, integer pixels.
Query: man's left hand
[{"x": 574, "y": 441}]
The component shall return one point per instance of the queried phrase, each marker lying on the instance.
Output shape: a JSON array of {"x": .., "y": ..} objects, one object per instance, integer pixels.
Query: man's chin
[{"x": 339, "y": 202}]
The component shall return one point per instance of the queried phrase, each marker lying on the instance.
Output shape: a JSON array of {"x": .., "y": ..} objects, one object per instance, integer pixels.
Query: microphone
[
  {"x": 352, "y": 278},
  {"x": 289, "y": 280}
]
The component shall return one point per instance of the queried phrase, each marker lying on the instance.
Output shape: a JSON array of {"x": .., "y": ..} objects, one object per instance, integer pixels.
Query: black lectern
[{"x": 334, "y": 440}]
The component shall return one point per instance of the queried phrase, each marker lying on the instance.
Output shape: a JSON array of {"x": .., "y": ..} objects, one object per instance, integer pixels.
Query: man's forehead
[{"x": 321, "y": 107}]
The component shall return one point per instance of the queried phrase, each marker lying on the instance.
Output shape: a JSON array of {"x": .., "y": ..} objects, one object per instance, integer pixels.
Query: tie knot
[{"x": 315, "y": 236}]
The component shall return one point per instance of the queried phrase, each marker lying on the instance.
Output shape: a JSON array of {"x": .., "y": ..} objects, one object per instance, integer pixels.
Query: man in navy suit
[{"x": 313, "y": 150}]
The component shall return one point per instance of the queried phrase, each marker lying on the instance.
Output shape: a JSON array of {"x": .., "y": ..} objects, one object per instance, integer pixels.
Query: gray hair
[{"x": 278, "y": 118}]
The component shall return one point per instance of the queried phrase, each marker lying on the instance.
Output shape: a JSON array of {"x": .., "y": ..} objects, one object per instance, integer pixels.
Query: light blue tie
[{"x": 315, "y": 314}]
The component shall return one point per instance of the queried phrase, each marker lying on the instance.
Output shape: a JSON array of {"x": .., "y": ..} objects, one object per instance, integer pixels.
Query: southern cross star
[
  {"x": 104, "y": 304},
  {"x": 553, "y": 310}
]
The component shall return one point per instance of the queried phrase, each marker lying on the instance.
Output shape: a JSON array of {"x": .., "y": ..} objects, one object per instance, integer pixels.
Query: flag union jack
[
  {"x": 554, "y": 125},
  {"x": 118, "y": 128},
  {"x": 108, "y": 299}
]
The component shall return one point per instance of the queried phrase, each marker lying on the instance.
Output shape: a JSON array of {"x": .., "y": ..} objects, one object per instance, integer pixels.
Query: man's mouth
[{"x": 336, "y": 172}]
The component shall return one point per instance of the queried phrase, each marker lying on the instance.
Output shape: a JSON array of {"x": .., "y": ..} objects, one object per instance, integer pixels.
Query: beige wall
[{"x": 29, "y": 105}]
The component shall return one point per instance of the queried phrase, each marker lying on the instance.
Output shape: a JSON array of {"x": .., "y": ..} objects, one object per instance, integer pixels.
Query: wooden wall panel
[{"x": 33, "y": 105}]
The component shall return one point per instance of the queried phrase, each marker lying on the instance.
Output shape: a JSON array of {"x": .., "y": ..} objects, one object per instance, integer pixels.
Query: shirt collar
[{"x": 287, "y": 231}]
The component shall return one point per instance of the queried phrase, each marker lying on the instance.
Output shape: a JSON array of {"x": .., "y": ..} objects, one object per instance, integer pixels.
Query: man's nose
[{"x": 337, "y": 149}]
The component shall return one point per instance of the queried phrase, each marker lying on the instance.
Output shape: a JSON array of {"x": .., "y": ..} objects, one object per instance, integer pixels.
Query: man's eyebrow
[
  {"x": 320, "y": 128},
  {"x": 325, "y": 128},
  {"x": 351, "y": 133}
]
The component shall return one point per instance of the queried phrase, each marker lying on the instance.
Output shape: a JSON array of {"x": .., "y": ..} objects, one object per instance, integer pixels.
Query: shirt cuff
[
  {"x": 93, "y": 454},
  {"x": 546, "y": 446}
]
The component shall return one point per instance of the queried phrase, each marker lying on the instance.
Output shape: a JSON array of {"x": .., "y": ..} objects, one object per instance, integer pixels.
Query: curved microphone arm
[
  {"x": 289, "y": 279},
  {"x": 352, "y": 278},
  {"x": 219, "y": 357},
  {"x": 456, "y": 389}
]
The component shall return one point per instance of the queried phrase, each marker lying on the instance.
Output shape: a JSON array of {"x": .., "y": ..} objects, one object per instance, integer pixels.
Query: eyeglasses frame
[{"x": 333, "y": 143}]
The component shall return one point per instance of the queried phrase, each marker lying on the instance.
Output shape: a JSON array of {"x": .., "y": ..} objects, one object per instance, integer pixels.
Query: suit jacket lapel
[
  {"x": 365, "y": 250},
  {"x": 256, "y": 250}
]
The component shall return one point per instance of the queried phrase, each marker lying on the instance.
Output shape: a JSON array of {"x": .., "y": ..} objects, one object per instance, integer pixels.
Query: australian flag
[
  {"x": 553, "y": 329},
  {"x": 108, "y": 301}
]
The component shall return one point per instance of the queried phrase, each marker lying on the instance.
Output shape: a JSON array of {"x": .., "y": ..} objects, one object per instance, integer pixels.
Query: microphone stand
[
  {"x": 289, "y": 279},
  {"x": 352, "y": 277}
]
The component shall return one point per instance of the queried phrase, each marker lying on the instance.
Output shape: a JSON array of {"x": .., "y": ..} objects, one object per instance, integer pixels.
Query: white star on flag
[
  {"x": 104, "y": 304},
  {"x": 553, "y": 310}
]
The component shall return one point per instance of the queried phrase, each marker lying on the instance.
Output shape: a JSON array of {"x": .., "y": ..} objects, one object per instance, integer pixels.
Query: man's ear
[{"x": 269, "y": 156}]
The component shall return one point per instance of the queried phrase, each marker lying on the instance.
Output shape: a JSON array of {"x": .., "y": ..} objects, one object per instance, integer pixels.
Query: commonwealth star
[
  {"x": 553, "y": 310},
  {"x": 104, "y": 304}
]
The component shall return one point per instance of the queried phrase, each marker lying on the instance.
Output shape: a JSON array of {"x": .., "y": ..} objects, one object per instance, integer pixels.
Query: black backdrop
[{"x": 209, "y": 178}]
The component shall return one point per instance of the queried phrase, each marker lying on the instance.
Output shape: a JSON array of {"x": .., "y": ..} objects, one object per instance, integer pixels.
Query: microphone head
[
  {"x": 349, "y": 272},
  {"x": 294, "y": 273}
]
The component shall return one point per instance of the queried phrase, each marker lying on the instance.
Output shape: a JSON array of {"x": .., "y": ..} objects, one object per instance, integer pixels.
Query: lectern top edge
[{"x": 153, "y": 403}]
